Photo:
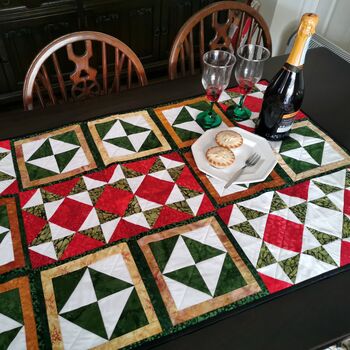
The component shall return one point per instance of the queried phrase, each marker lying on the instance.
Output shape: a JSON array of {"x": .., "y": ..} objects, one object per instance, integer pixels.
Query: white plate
[{"x": 251, "y": 144}]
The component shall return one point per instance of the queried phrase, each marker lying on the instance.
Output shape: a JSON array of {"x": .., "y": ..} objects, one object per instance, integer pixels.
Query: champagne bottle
[{"x": 284, "y": 95}]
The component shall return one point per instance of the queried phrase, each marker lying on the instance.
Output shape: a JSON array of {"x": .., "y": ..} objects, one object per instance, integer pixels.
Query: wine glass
[
  {"x": 248, "y": 72},
  {"x": 217, "y": 70}
]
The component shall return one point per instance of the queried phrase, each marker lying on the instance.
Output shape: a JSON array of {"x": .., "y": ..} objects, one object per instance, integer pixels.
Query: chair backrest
[
  {"x": 242, "y": 24},
  {"x": 49, "y": 83}
]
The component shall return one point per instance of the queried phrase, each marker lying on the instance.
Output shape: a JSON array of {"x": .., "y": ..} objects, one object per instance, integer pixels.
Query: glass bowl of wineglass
[
  {"x": 217, "y": 70},
  {"x": 248, "y": 71}
]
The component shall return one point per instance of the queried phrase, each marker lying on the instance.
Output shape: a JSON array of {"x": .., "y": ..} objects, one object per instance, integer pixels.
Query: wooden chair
[
  {"x": 46, "y": 80},
  {"x": 242, "y": 24}
]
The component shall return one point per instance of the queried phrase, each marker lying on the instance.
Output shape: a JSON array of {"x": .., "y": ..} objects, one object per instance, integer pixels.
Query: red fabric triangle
[
  {"x": 103, "y": 175},
  {"x": 253, "y": 103},
  {"x": 186, "y": 179},
  {"x": 32, "y": 224},
  {"x": 63, "y": 188},
  {"x": 345, "y": 253},
  {"x": 126, "y": 229},
  {"x": 80, "y": 244},
  {"x": 13, "y": 188},
  {"x": 169, "y": 215},
  {"x": 206, "y": 206},
  {"x": 346, "y": 202},
  {"x": 38, "y": 260},
  {"x": 142, "y": 166},
  {"x": 5, "y": 144},
  {"x": 25, "y": 196},
  {"x": 301, "y": 190},
  {"x": 225, "y": 213},
  {"x": 272, "y": 284},
  {"x": 173, "y": 156}
]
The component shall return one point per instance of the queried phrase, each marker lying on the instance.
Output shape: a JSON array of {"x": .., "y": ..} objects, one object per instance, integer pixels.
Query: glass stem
[
  {"x": 241, "y": 100},
  {"x": 210, "y": 111}
]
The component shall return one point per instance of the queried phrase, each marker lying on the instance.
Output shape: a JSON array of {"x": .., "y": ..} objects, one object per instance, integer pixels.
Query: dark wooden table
[{"x": 303, "y": 317}]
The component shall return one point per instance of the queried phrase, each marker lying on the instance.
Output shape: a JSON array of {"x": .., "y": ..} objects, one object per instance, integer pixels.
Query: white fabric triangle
[
  {"x": 137, "y": 140},
  {"x": 19, "y": 342},
  {"x": 48, "y": 163},
  {"x": 309, "y": 240},
  {"x": 4, "y": 150},
  {"x": 336, "y": 179},
  {"x": 305, "y": 140},
  {"x": 337, "y": 198},
  {"x": 261, "y": 87},
  {"x": 175, "y": 195},
  {"x": 162, "y": 175},
  {"x": 108, "y": 228},
  {"x": 259, "y": 225},
  {"x": 117, "y": 175},
  {"x": 138, "y": 120},
  {"x": 195, "y": 203},
  {"x": 6, "y": 165},
  {"x": 220, "y": 187},
  {"x": 180, "y": 257},
  {"x": 51, "y": 207},
  {"x": 300, "y": 154},
  {"x": 324, "y": 220},
  {"x": 137, "y": 219},
  {"x": 290, "y": 200},
  {"x": 146, "y": 204},
  {"x": 210, "y": 270},
  {"x": 113, "y": 266},
  {"x": 115, "y": 131},
  {"x": 77, "y": 338},
  {"x": 7, "y": 323},
  {"x": 224, "y": 96},
  {"x": 193, "y": 112},
  {"x": 183, "y": 295},
  {"x": 46, "y": 249},
  {"x": 206, "y": 235},
  {"x": 287, "y": 214},
  {"x": 58, "y": 232},
  {"x": 261, "y": 203},
  {"x": 79, "y": 160},
  {"x": 91, "y": 221},
  {"x": 5, "y": 184},
  {"x": 3, "y": 229},
  {"x": 82, "y": 197},
  {"x": 330, "y": 155},
  {"x": 35, "y": 200},
  {"x": 135, "y": 182},
  {"x": 111, "y": 308},
  {"x": 314, "y": 192},
  {"x": 334, "y": 249},
  {"x": 83, "y": 294},
  {"x": 31, "y": 147},
  {"x": 60, "y": 146},
  {"x": 280, "y": 254},
  {"x": 169, "y": 163},
  {"x": 251, "y": 245},
  {"x": 275, "y": 271},
  {"x": 190, "y": 126},
  {"x": 276, "y": 145},
  {"x": 116, "y": 151},
  {"x": 171, "y": 114},
  {"x": 310, "y": 267},
  {"x": 236, "y": 216},
  {"x": 92, "y": 183}
]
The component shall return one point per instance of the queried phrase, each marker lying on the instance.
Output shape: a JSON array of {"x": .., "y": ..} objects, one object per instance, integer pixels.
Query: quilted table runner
[{"x": 110, "y": 236}]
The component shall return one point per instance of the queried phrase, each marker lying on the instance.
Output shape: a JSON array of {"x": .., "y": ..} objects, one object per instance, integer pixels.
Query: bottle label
[{"x": 286, "y": 122}]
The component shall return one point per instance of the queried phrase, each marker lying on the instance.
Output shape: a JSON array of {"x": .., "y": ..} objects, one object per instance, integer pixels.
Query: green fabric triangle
[
  {"x": 250, "y": 213},
  {"x": 290, "y": 266},
  {"x": 191, "y": 277},
  {"x": 132, "y": 128},
  {"x": 64, "y": 158},
  {"x": 306, "y": 131},
  {"x": 87, "y": 317},
  {"x": 44, "y": 150},
  {"x": 246, "y": 228},
  {"x": 79, "y": 187},
  {"x": 265, "y": 257},
  {"x": 288, "y": 144},
  {"x": 200, "y": 251},
  {"x": 121, "y": 184},
  {"x": 3, "y": 235},
  {"x": 201, "y": 105},
  {"x": 3, "y": 155},
  {"x": 183, "y": 117},
  {"x": 68, "y": 137},
  {"x": 316, "y": 151},
  {"x": 176, "y": 172},
  {"x": 49, "y": 196},
  {"x": 325, "y": 188},
  {"x": 152, "y": 215},
  {"x": 230, "y": 278},
  {"x": 43, "y": 236},
  {"x": 299, "y": 211},
  {"x": 105, "y": 285},
  {"x": 186, "y": 135},
  {"x": 104, "y": 216},
  {"x": 65, "y": 285},
  {"x": 38, "y": 211},
  {"x": 4, "y": 176},
  {"x": 6, "y": 338},
  {"x": 188, "y": 193},
  {"x": 130, "y": 173},
  {"x": 346, "y": 227},
  {"x": 103, "y": 128},
  {"x": 4, "y": 219},
  {"x": 95, "y": 194},
  {"x": 150, "y": 142},
  {"x": 233, "y": 94},
  {"x": 277, "y": 203},
  {"x": 157, "y": 166},
  {"x": 61, "y": 245},
  {"x": 325, "y": 202},
  {"x": 322, "y": 237},
  {"x": 122, "y": 142},
  {"x": 95, "y": 233},
  {"x": 321, "y": 254},
  {"x": 133, "y": 207},
  {"x": 181, "y": 206},
  {"x": 10, "y": 305},
  {"x": 133, "y": 317},
  {"x": 298, "y": 166},
  {"x": 347, "y": 179},
  {"x": 37, "y": 173},
  {"x": 162, "y": 250}
]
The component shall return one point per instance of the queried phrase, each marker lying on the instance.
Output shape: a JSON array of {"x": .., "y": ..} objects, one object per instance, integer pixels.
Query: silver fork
[{"x": 251, "y": 161}]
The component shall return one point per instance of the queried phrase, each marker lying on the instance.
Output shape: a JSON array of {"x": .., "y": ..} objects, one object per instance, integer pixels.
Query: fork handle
[{"x": 234, "y": 177}]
